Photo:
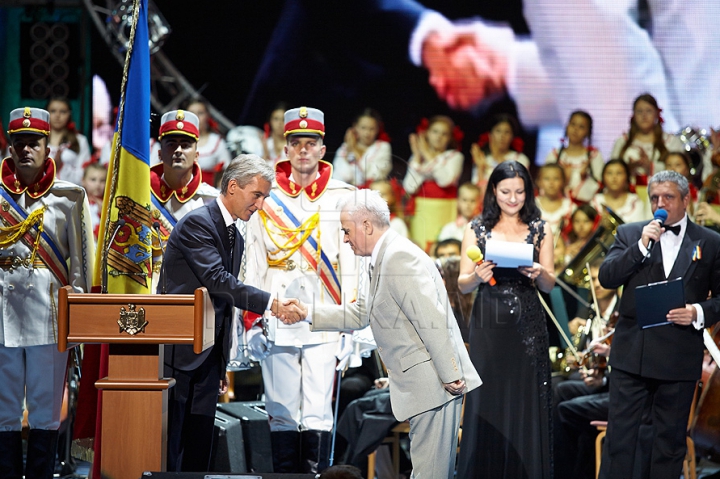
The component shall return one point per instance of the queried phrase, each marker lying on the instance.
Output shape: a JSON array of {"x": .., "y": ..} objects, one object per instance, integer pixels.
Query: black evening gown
[{"x": 507, "y": 421}]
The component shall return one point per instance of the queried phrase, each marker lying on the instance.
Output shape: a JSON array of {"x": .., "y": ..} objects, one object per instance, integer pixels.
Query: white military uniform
[
  {"x": 169, "y": 206},
  {"x": 298, "y": 373},
  {"x": 32, "y": 367}
]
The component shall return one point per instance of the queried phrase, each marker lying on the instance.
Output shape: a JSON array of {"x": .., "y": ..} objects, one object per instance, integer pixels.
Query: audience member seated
[
  {"x": 645, "y": 146},
  {"x": 392, "y": 193},
  {"x": 274, "y": 134},
  {"x": 432, "y": 177},
  {"x": 365, "y": 155},
  {"x": 94, "y": 183},
  {"x": 461, "y": 304},
  {"x": 681, "y": 162},
  {"x": 447, "y": 248},
  {"x": 554, "y": 207},
  {"x": 501, "y": 143},
  {"x": 69, "y": 149},
  {"x": 468, "y": 205},
  {"x": 583, "y": 223},
  {"x": 213, "y": 153},
  {"x": 616, "y": 195},
  {"x": 581, "y": 162}
]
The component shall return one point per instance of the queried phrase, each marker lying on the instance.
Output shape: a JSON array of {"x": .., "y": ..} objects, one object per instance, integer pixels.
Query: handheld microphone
[
  {"x": 661, "y": 217},
  {"x": 476, "y": 256},
  {"x": 163, "y": 283},
  {"x": 120, "y": 223}
]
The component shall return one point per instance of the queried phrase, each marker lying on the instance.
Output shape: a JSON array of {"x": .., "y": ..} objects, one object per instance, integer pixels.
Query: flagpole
[{"x": 114, "y": 163}]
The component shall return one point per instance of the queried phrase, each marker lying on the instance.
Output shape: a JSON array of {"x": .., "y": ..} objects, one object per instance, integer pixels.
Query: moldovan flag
[{"x": 126, "y": 225}]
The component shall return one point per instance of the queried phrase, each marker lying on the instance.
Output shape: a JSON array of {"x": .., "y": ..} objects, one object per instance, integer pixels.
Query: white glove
[
  {"x": 258, "y": 344},
  {"x": 344, "y": 351}
]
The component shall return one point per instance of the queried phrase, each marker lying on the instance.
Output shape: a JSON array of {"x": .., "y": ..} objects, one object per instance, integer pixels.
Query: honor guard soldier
[
  {"x": 295, "y": 250},
  {"x": 176, "y": 181},
  {"x": 46, "y": 242}
]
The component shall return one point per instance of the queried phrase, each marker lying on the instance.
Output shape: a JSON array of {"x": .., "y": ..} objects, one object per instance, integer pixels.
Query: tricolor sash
[
  {"x": 47, "y": 248},
  {"x": 308, "y": 249},
  {"x": 166, "y": 215}
]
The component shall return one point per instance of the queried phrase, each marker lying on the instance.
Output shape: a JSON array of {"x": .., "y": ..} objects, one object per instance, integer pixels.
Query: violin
[{"x": 592, "y": 360}]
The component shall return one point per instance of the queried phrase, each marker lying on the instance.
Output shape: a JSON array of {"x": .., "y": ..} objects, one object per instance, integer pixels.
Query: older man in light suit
[{"x": 417, "y": 335}]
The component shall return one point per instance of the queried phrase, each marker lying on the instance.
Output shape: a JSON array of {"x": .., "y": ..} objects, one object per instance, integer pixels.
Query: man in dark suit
[
  {"x": 657, "y": 367},
  {"x": 205, "y": 249}
]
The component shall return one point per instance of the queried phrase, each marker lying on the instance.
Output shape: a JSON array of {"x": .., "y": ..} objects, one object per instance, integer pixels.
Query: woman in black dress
[{"x": 507, "y": 422}]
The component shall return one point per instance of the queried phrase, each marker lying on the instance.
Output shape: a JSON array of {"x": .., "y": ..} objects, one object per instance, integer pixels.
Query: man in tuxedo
[
  {"x": 205, "y": 249},
  {"x": 417, "y": 335},
  {"x": 657, "y": 367}
]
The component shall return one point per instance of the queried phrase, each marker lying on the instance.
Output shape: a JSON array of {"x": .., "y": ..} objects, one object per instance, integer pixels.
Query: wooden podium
[{"x": 134, "y": 411}]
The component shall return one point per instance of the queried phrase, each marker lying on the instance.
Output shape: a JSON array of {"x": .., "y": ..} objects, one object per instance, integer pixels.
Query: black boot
[
  {"x": 41, "y": 447},
  {"x": 315, "y": 451},
  {"x": 285, "y": 451},
  {"x": 11, "y": 455}
]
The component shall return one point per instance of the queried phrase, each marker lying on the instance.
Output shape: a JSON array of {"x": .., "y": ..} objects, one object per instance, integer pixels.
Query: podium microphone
[
  {"x": 476, "y": 256},
  {"x": 163, "y": 284},
  {"x": 661, "y": 217},
  {"x": 120, "y": 223}
]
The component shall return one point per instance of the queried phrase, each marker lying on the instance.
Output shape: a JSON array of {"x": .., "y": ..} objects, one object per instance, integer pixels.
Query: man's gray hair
[
  {"x": 243, "y": 168},
  {"x": 670, "y": 176},
  {"x": 366, "y": 204}
]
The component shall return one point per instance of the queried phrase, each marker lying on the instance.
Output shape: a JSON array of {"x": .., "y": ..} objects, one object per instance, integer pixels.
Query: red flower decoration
[
  {"x": 423, "y": 126},
  {"x": 397, "y": 189},
  {"x": 484, "y": 139},
  {"x": 71, "y": 127},
  {"x": 213, "y": 125},
  {"x": 458, "y": 136},
  {"x": 266, "y": 129},
  {"x": 660, "y": 118},
  {"x": 382, "y": 134},
  {"x": 517, "y": 144}
]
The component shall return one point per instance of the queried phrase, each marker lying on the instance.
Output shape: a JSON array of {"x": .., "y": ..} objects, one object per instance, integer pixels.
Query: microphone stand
[
  {"x": 163, "y": 282},
  {"x": 104, "y": 289}
]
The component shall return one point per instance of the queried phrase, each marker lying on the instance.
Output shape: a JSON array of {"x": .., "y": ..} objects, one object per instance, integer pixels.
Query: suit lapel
[
  {"x": 217, "y": 219},
  {"x": 684, "y": 264},
  {"x": 376, "y": 270}
]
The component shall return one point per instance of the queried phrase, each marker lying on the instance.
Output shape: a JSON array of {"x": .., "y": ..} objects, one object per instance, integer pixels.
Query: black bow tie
[{"x": 675, "y": 229}]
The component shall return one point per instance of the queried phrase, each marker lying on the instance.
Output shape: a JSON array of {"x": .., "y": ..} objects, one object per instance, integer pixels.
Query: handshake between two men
[{"x": 289, "y": 311}]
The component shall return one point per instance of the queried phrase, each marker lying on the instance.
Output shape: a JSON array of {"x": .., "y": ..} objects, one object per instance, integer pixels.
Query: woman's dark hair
[
  {"x": 589, "y": 211},
  {"x": 496, "y": 120},
  {"x": 371, "y": 113},
  {"x": 69, "y": 136},
  {"x": 659, "y": 142},
  {"x": 588, "y": 118},
  {"x": 281, "y": 105},
  {"x": 686, "y": 159},
  {"x": 626, "y": 167},
  {"x": 552, "y": 166},
  {"x": 503, "y": 171}
]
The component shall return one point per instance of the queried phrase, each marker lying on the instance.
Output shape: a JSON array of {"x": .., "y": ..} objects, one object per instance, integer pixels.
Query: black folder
[{"x": 654, "y": 301}]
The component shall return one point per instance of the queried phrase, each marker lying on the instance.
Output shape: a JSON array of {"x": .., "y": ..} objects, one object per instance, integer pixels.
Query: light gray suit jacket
[{"x": 416, "y": 332}]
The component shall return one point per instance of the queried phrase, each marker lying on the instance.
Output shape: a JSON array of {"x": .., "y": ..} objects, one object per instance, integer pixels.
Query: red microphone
[{"x": 474, "y": 253}]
